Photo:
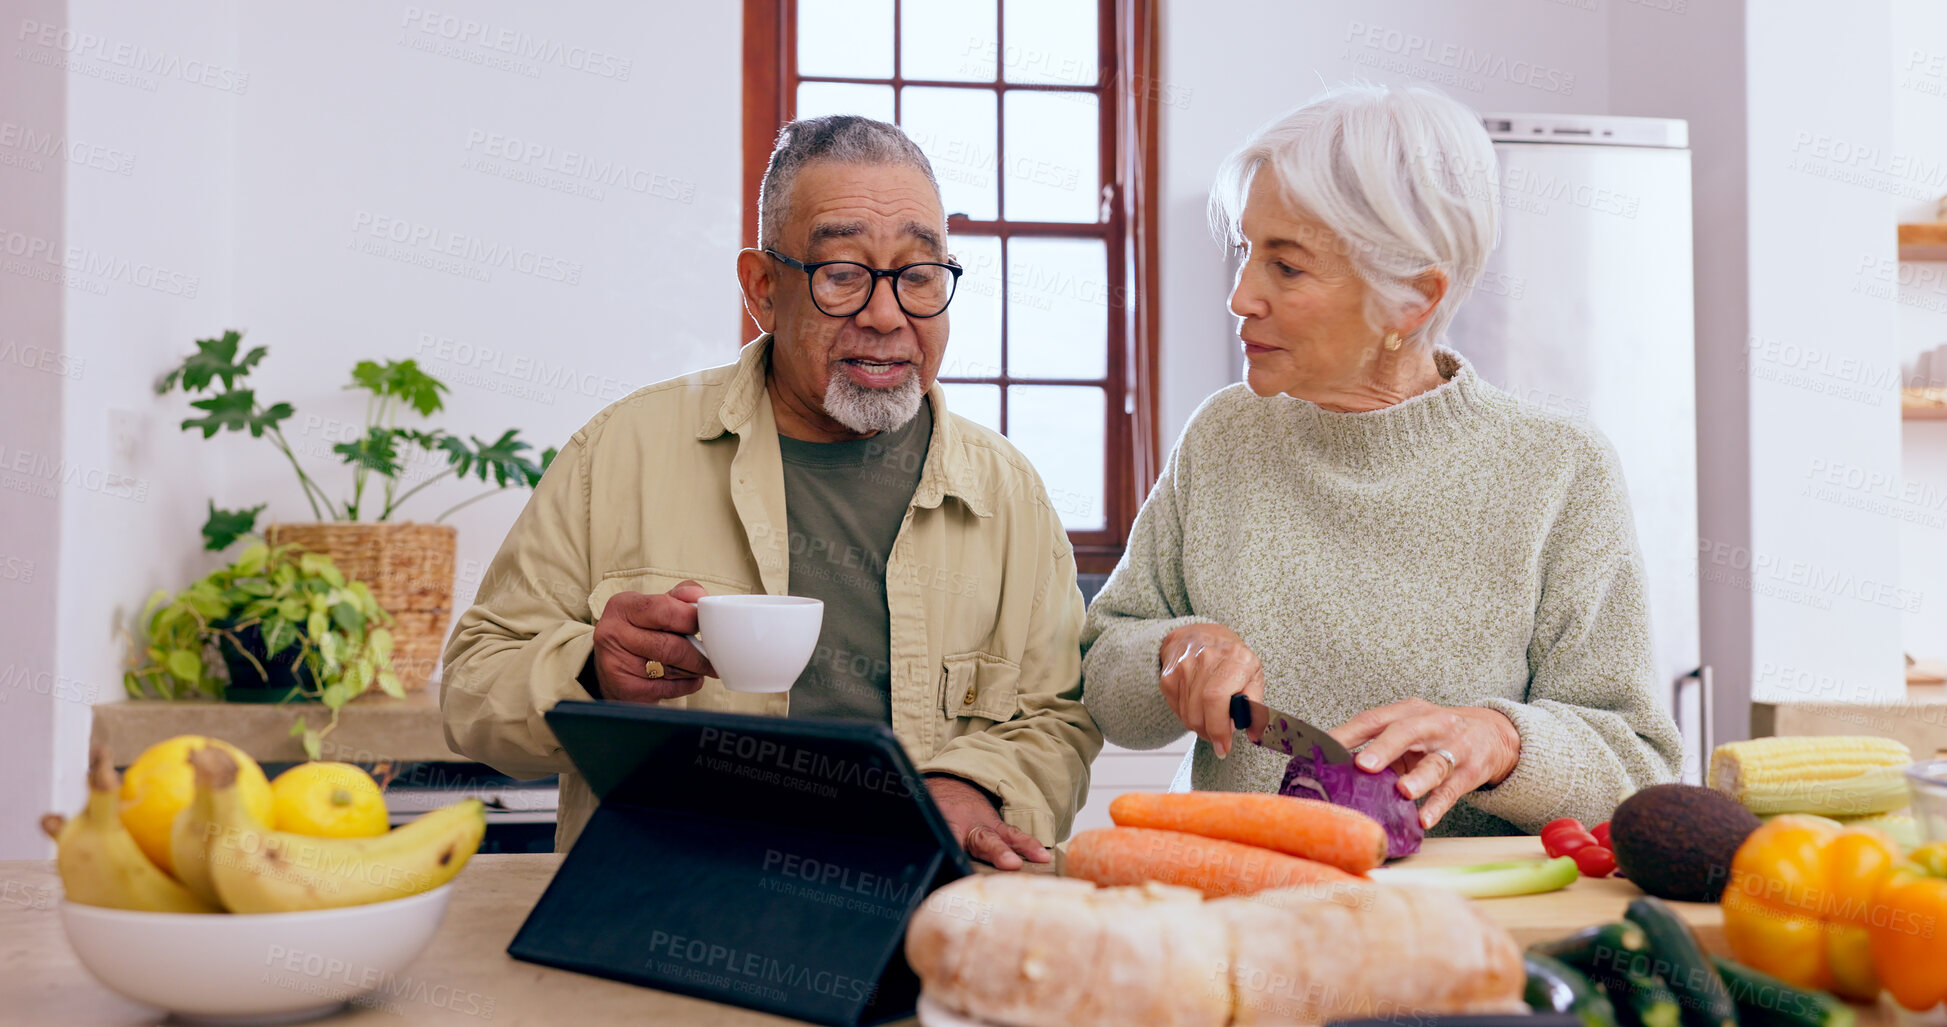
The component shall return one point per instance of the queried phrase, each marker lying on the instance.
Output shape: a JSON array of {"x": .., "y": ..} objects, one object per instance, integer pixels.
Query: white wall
[
  {"x": 152, "y": 219},
  {"x": 593, "y": 194},
  {"x": 33, "y": 368},
  {"x": 1920, "y": 134},
  {"x": 1823, "y": 568},
  {"x": 249, "y": 166}
]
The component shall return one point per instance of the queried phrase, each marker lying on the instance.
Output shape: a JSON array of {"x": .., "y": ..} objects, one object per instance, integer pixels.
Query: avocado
[{"x": 1676, "y": 841}]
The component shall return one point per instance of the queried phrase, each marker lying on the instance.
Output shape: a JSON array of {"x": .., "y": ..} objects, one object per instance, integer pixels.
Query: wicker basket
[{"x": 408, "y": 567}]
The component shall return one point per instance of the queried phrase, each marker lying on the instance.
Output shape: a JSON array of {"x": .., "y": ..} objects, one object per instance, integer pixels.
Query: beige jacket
[{"x": 682, "y": 479}]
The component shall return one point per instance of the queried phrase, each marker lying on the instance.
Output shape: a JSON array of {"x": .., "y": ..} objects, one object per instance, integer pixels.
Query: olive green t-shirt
[{"x": 844, "y": 503}]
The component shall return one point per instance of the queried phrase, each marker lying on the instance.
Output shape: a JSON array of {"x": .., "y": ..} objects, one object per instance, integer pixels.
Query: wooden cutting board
[{"x": 1532, "y": 918}]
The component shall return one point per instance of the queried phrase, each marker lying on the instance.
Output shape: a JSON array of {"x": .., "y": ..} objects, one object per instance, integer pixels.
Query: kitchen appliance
[{"x": 1585, "y": 309}]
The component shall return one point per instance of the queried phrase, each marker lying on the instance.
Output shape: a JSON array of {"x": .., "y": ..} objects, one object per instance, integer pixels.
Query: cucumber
[
  {"x": 1553, "y": 987},
  {"x": 1765, "y": 1001},
  {"x": 1676, "y": 957},
  {"x": 1608, "y": 949},
  {"x": 1642, "y": 1000}
]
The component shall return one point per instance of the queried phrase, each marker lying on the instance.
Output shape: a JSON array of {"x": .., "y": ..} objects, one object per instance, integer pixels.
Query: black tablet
[{"x": 762, "y": 861}]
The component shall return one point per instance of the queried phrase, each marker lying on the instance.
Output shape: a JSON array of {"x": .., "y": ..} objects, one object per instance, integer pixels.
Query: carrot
[
  {"x": 1328, "y": 833},
  {"x": 1133, "y": 855}
]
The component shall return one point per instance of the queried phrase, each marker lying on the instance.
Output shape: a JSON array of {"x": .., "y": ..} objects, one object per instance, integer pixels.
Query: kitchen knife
[{"x": 1282, "y": 732}]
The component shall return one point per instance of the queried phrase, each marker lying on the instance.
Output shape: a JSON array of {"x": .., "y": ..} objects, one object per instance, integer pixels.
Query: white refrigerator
[{"x": 1586, "y": 309}]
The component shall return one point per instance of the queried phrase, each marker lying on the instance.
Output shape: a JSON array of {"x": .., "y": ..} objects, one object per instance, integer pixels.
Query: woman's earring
[{"x": 1392, "y": 340}]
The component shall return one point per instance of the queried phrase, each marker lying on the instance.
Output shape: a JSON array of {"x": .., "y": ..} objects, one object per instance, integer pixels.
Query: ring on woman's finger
[{"x": 1449, "y": 757}]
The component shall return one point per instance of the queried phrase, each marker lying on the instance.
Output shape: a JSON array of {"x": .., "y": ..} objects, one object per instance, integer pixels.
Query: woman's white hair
[{"x": 1406, "y": 178}]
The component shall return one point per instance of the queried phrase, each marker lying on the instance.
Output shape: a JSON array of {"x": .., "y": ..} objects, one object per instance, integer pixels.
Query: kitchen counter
[{"x": 466, "y": 977}]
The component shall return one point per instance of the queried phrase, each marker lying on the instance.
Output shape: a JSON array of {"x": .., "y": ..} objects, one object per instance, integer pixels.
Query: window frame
[{"x": 1129, "y": 93}]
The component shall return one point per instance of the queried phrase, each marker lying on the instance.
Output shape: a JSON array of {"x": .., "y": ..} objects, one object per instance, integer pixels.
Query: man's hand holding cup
[{"x": 640, "y": 652}]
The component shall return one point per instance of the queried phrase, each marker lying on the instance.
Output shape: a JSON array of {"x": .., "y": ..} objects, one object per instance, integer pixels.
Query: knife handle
[{"x": 1240, "y": 711}]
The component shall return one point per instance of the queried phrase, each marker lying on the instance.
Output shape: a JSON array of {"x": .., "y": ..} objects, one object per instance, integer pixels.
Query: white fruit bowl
[{"x": 254, "y": 968}]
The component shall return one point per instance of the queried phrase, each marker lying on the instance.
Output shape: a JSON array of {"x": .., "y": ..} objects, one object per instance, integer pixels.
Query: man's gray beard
[{"x": 866, "y": 410}]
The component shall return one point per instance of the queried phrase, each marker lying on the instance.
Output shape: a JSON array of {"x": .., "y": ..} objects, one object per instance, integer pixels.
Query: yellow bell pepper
[
  {"x": 1801, "y": 903},
  {"x": 1906, "y": 943}
]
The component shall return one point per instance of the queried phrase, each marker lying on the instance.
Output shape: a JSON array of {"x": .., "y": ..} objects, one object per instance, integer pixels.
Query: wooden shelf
[
  {"x": 1923, "y": 240},
  {"x": 1923, "y": 404},
  {"x": 370, "y": 729}
]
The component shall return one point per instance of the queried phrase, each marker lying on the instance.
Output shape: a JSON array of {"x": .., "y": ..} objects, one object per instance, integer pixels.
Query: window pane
[
  {"x": 947, "y": 40},
  {"x": 820, "y": 98},
  {"x": 845, "y": 38},
  {"x": 1060, "y": 429},
  {"x": 1052, "y": 157},
  {"x": 973, "y": 348},
  {"x": 1057, "y": 308},
  {"x": 980, "y": 404},
  {"x": 1052, "y": 41},
  {"x": 958, "y": 129}
]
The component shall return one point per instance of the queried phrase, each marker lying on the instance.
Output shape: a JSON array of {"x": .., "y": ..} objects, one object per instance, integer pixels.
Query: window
[{"x": 1038, "y": 117}]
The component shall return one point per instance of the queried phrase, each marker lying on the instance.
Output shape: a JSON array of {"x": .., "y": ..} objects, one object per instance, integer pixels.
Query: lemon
[
  {"x": 160, "y": 783},
  {"x": 330, "y": 800}
]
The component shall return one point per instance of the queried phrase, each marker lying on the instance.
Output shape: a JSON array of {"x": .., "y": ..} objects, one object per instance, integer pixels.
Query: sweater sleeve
[
  {"x": 1141, "y": 603},
  {"x": 1593, "y": 727}
]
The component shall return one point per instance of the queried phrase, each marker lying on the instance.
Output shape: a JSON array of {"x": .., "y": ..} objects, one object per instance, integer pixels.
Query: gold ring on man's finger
[
  {"x": 1449, "y": 757},
  {"x": 653, "y": 670}
]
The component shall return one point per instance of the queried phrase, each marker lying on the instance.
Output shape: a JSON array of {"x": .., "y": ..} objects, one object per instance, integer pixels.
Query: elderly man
[{"x": 822, "y": 463}]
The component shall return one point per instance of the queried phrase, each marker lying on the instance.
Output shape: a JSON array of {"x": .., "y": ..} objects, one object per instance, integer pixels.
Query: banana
[
  {"x": 99, "y": 862},
  {"x": 258, "y": 870},
  {"x": 189, "y": 845}
]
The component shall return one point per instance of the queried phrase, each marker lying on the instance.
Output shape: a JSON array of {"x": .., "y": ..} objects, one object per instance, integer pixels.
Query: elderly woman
[{"x": 1364, "y": 533}]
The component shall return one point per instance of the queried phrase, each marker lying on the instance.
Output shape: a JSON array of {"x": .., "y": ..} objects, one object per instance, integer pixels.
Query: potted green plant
[
  {"x": 278, "y": 624},
  {"x": 407, "y": 566}
]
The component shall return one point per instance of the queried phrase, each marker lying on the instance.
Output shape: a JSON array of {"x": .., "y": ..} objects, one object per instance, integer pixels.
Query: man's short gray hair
[
  {"x": 1407, "y": 178},
  {"x": 839, "y": 138}
]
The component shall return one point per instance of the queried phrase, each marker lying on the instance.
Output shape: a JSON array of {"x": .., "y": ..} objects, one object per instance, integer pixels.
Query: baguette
[
  {"x": 1032, "y": 951},
  {"x": 1318, "y": 953},
  {"x": 1029, "y": 951}
]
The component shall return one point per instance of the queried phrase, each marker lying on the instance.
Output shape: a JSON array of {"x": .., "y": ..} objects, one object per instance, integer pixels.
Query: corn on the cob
[{"x": 1846, "y": 775}]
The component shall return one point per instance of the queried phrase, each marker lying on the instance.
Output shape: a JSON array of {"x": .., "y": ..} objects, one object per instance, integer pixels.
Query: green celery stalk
[{"x": 1488, "y": 880}]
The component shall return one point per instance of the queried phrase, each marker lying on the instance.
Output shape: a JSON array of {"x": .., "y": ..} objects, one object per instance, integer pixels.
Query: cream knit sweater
[{"x": 1459, "y": 547}]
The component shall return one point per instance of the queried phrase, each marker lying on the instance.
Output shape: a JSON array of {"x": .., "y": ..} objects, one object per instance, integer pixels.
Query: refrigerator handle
[{"x": 1706, "y": 696}]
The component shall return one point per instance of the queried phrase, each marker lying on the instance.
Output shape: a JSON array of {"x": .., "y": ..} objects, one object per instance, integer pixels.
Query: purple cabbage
[{"x": 1374, "y": 794}]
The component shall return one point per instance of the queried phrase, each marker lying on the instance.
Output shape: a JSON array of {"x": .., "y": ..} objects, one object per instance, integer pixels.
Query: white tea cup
[{"x": 757, "y": 643}]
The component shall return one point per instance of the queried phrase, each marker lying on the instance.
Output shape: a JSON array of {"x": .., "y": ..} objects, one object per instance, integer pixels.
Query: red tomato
[
  {"x": 1557, "y": 825},
  {"x": 1601, "y": 834},
  {"x": 1594, "y": 861},
  {"x": 1552, "y": 834},
  {"x": 1567, "y": 844}
]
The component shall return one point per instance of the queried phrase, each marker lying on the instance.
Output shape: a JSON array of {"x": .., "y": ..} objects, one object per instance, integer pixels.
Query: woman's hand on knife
[{"x": 1203, "y": 665}]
